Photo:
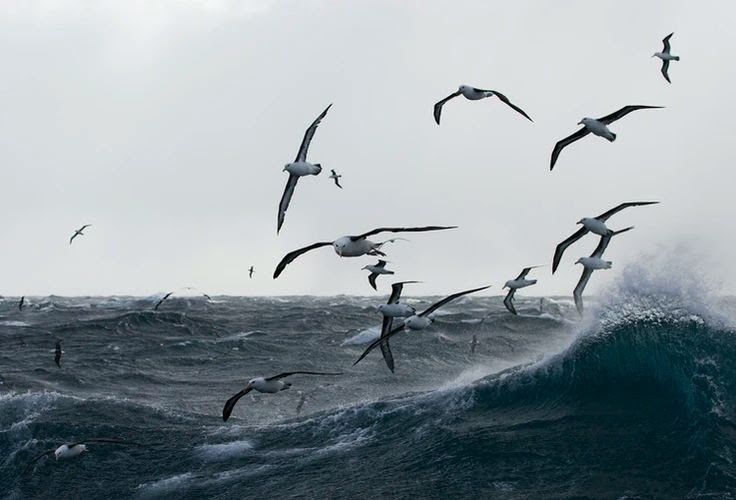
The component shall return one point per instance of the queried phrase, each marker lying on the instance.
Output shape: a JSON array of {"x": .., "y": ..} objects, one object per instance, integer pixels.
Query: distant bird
[
  {"x": 473, "y": 94},
  {"x": 78, "y": 232},
  {"x": 334, "y": 176},
  {"x": 519, "y": 282},
  {"x": 596, "y": 126},
  {"x": 355, "y": 246},
  {"x": 299, "y": 168},
  {"x": 376, "y": 270},
  {"x": 71, "y": 450},
  {"x": 270, "y": 385},
  {"x": 300, "y": 403},
  {"x": 593, "y": 263},
  {"x": 474, "y": 344},
  {"x": 207, "y": 296},
  {"x": 21, "y": 303},
  {"x": 666, "y": 57},
  {"x": 392, "y": 309},
  {"x": 57, "y": 353},
  {"x": 596, "y": 225},
  {"x": 250, "y": 272},
  {"x": 161, "y": 300},
  {"x": 417, "y": 321}
]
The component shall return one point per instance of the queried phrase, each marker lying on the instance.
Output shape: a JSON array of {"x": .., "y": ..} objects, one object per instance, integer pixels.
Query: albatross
[
  {"x": 355, "y": 246},
  {"x": 57, "y": 353},
  {"x": 593, "y": 263},
  {"x": 419, "y": 321},
  {"x": 336, "y": 177},
  {"x": 21, "y": 303},
  {"x": 161, "y": 300},
  {"x": 666, "y": 57},
  {"x": 376, "y": 270},
  {"x": 595, "y": 225},
  {"x": 269, "y": 385},
  {"x": 519, "y": 282},
  {"x": 250, "y": 272},
  {"x": 299, "y": 168},
  {"x": 78, "y": 232},
  {"x": 71, "y": 450},
  {"x": 390, "y": 310},
  {"x": 473, "y": 94},
  {"x": 596, "y": 126}
]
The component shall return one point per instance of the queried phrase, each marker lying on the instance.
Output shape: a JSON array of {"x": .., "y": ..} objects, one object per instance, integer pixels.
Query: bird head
[
  {"x": 57, "y": 453},
  {"x": 364, "y": 268},
  {"x": 506, "y": 285},
  {"x": 585, "y": 121},
  {"x": 579, "y": 261},
  {"x": 462, "y": 88},
  {"x": 286, "y": 167},
  {"x": 583, "y": 220}
]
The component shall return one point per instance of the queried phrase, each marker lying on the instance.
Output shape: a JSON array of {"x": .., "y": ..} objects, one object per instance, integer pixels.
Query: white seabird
[
  {"x": 519, "y": 282},
  {"x": 390, "y": 310},
  {"x": 355, "y": 246},
  {"x": 336, "y": 177},
  {"x": 270, "y": 385},
  {"x": 666, "y": 57},
  {"x": 376, "y": 270},
  {"x": 416, "y": 321},
  {"x": 596, "y": 126},
  {"x": 78, "y": 232},
  {"x": 299, "y": 168},
  {"x": 593, "y": 263},
  {"x": 71, "y": 450},
  {"x": 473, "y": 94},
  {"x": 595, "y": 225}
]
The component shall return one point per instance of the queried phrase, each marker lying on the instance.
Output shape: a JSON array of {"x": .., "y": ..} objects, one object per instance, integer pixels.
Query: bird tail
[
  {"x": 612, "y": 138},
  {"x": 676, "y": 58},
  {"x": 319, "y": 167}
]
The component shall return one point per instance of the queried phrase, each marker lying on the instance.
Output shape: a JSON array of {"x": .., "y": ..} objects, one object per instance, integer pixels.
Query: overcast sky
[{"x": 166, "y": 125}]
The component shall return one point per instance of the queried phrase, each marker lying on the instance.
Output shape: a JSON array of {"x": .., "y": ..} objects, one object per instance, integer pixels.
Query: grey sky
[{"x": 166, "y": 125}]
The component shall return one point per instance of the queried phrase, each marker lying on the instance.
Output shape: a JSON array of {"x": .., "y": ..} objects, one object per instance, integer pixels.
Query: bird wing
[
  {"x": 506, "y": 101},
  {"x": 666, "y": 43},
  {"x": 289, "y": 257},
  {"x": 380, "y": 340},
  {"x": 230, "y": 403},
  {"x": 302, "y": 155},
  {"x": 525, "y": 271},
  {"x": 448, "y": 299},
  {"x": 578, "y": 292},
  {"x": 605, "y": 240},
  {"x": 286, "y": 199},
  {"x": 381, "y": 263},
  {"x": 337, "y": 183},
  {"x": 508, "y": 301},
  {"x": 104, "y": 440},
  {"x": 372, "y": 280},
  {"x": 560, "y": 249},
  {"x": 333, "y": 171},
  {"x": 400, "y": 230},
  {"x": 39, "y": 457},
  {"x": 562, "y": 144},
  {"x": 606, "y": 215},
  {"x": 287, "y": 374},
  {"x": 438, "y": 106},
  {"x": 84, "y": 227},
  {"x": 396, "y": 289},
  {"x": 665, "y": 67},
  {"x": 388, "y": 356},
  {"x": 73, "y": 236},
  {"x": 617, "y": 115}
]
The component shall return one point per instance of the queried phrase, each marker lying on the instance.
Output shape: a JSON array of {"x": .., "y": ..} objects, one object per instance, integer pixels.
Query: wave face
[{"x": 635, "y": 401}]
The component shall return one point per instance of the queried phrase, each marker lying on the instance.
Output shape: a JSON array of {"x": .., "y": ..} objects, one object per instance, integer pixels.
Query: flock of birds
[{"x": 399, "y": 317}]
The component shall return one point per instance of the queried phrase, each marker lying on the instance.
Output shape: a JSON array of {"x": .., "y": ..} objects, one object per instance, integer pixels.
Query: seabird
[
  {"x": 207, "y": 297},
  {"x": 593, "y": 263},
  {"x": 390, "y": 310},
  {"x": 519, "y": 282},
  {"x": 334, "y": 176},
  {"x": 300, "y": 403},
  {"x": 21, "y": 303},
  {"x": 355, "y": 246},
  {"x": 250, "y": 272},
  {"x": 376, "y": 270},
  {"x": 299, "y": 168},
  {"x": 57, "y": 353},
  {"x": 474, "y": 344},
  {"x": 78, "y": 232},
  {"x": 70, "y": 450},
  {"x": 416, "y": 321},
  {"x": 596, "y": 225},
  {"x": 473, "y": 94},
  {"x": 161, "y": 300},
  {"x": 596, "y": 126},
  {"x": 270, "y": 385},
  {"x": 666, "y": 57}
]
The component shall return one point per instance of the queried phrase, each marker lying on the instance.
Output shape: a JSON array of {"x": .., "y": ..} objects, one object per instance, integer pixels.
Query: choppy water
[{"x": 636, "y": 400}]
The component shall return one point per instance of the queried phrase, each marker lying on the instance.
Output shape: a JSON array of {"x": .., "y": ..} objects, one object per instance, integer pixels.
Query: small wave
[
  {"x": 14, "y": 323},
  {"x": 364, "y": 337},
  {"x": 223, "y": 451}
]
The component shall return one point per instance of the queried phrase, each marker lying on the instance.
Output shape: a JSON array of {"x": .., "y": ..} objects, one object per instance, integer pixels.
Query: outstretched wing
[
  {"x": 508, "y": 301},
  {"x": 525, "y": 271},
  {"x": 286, "y": 199},
  {"x": 438, "y": 106},
  {"x": 606, "y": 215},
  {"x": 289, "y": 257},
  {"x": 448, "y": 299},
  {"x": 605, "y": 240},
  {"x": 564, "y": 143},
  {"x": 337, "y": 182},
  {"x": 400, "y": 230},
  {"x": 380, "y": 340},
  {"x": 396, "y": 289},
  {"x": 666, "y": 43},
  {"x": 105, "y": 440},
  {"x": 84, "y": 227},
  {"x": 39, "y": 457},
  {"x": 287, "y": 374},
  {"x": 230, "y": 403},
  {"x": 372, "y": 280},
  {"x": 506, "y": 101},
  {"x": 617, "y": 115},
  {"x": 73, "y": 236},
  {"x": 665, "y": 67},
  {"x": 578, "y": 292},
  {"x": 560, "y": 249},
  {"x": 308, "y": 135}
]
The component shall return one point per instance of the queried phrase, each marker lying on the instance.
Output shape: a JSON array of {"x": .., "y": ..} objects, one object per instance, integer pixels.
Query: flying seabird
[
  {"x": 474, "y": 344},
  {"x": 161, "y": 300},
  {"x": 376, "y": 270},
  {"x": 336, "y": 178},
  {"x": 473, "y": 94},
  {"x": 270, "y": 385},
  {"x": 70, "y": 450},
  {"x": 250, "y": 272},
  {"x": 390, "y": 310},
  {"x": 666, "y": 57},
  {"x": 519, "y": 282},
  {"x": 593, "y": 263},
  {"x": 596, "y": 126},
  {"x": 78, "y": 232},
  {"x": 299, "y": 168},
  {"x": 207, "y": 297},
  {"x": 57, "y": 353},
  {"x": 355, "y": 246},
  {"x": 595, "y": 225},
  {"x": 416, "y": 321},
  {"x": 300, "y": 403},
  {"x": 21, "y": 303}
]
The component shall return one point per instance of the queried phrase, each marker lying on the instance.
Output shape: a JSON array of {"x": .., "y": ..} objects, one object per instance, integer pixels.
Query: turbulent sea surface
[{"x": 636, "y": 400}]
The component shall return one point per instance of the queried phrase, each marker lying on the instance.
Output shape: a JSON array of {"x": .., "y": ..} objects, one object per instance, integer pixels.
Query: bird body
[
  {"x": 594, "y": 225},
  {"x": 594, "y": 263},
  {"x": 417, "y": 322},
  {"x": 519, "y": 283},
  {"x": 345, "y": 246},
  {"x": 260, "y": 384},
  {"x": 376, "y": 269},
  {"x": 474, "y": 94},
  {"x": 69, "y": 451},
  {"x": 597, "y": 128},
  {"x": 396, "y": 310},
  {"x": 302, "y": 168},
  {"x": 666, "y": 56}
]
